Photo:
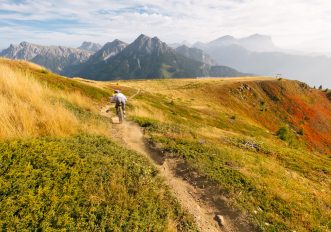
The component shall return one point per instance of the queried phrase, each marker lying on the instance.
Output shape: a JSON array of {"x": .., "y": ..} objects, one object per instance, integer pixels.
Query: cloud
[{"x": 299, "y": 24}]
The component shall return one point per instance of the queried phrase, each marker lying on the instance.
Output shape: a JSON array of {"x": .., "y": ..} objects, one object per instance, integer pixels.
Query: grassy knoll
[{"x": 227, "y": 130}]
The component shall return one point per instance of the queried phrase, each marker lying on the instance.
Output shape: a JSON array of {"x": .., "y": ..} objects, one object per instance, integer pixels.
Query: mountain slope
[
  {"x": 97, "y": 60},
  {"x": 89, "y": 46},
  {"x": 109, "y": 50},
  {"x": 195, "y": 54},
  {"x": 145, "y": 58},
  {"x": 148, "y": 58},
  {"x": 55, "y": 58}
]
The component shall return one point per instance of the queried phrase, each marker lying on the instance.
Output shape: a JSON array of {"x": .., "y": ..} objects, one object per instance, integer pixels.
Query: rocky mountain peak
[
  {"x": 109, "y": 50},
  {"x": 149, "y": 45},
  {"x": 117, "y": 42},
  {"x": 89, "y": 46},
  {"x": 24, "y": 44}
]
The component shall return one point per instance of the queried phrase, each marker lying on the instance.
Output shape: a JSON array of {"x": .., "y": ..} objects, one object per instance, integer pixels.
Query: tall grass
[
  {"x": 29, "y": 108},
  {"x": 25, "y": 109}
]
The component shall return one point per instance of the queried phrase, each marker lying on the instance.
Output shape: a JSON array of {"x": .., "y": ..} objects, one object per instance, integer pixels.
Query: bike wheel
[{"x": 120, "y": 115}]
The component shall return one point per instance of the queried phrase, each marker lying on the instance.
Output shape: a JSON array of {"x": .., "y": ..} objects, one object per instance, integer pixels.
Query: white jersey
[{"x": 120, "y": 98}]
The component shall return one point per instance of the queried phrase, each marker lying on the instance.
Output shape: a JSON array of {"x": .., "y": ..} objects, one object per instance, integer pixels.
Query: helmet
[{"x": 116, "y": 91}]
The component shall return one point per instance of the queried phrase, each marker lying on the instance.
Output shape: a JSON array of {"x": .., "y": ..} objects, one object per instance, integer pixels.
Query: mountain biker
[{"x": 120, "y": 101}]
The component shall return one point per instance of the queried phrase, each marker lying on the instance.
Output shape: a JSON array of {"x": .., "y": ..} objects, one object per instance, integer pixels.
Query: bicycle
[{"x": 120, "y": 113}]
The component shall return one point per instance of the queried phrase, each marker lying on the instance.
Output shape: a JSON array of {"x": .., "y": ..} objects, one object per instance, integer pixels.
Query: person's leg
[
  {"x": 117, "y": 108},
  {"x": 123, "y": 108}
]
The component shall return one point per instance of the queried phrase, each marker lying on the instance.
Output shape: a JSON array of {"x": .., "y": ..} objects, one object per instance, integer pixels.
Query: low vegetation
[{"x": 82, "y": 183}]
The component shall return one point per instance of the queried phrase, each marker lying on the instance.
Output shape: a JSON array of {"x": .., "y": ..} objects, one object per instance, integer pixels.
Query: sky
[{"x": 302, "y": 25}]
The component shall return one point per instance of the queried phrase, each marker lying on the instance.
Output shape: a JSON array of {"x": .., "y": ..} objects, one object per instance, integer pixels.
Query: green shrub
[
  {"x": 145, "y": 122},
  {"x": 283, "y": 133},
  {"x": 84, "y": 183}
]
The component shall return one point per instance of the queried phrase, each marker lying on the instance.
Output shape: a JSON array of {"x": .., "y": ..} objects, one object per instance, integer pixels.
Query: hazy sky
[{"x": 298, "y": 24}]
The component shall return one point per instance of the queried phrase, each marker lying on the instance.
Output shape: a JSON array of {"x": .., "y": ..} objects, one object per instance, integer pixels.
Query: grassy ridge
[
  {"x": 83, "y": 183},
  {"x": 224, "y": 131}
]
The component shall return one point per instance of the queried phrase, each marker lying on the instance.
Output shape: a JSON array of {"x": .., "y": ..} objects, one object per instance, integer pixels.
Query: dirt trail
[
  {"x": 132, "y": 136},
  {"x": 190, "y": 197}
]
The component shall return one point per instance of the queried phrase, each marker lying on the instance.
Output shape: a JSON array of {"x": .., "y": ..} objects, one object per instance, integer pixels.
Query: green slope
[{"x": 82, "y": 183}]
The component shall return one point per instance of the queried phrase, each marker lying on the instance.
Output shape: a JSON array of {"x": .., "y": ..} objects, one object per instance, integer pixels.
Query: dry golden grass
[
  {"x": 80, "y": 100},
  {"x": 28, "y": 108},
  {"x": 144, "y": 110},
  {"x": 25, "y": 111}
]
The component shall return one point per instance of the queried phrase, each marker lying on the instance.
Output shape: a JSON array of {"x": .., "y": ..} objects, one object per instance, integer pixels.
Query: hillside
[
  {"x": 60, "y": 168},
  {"x": 264, "y": 144},
  {"x": 254, "y": 152}
]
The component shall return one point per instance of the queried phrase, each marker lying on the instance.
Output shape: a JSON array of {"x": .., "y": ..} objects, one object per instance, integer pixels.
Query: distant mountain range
[
  {"x": 55, "y": 58},
  {"x": 145, "y": 58},
  {"x": 151, "y": 58}
]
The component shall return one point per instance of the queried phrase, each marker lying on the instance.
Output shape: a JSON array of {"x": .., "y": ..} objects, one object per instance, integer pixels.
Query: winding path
[{"x": 191, "y": 198}]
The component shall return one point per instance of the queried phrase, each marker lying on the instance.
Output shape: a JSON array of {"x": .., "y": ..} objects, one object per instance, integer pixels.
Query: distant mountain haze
[
  {"x": 257, "y": 54},
  {"x": 256, "y": 43}
]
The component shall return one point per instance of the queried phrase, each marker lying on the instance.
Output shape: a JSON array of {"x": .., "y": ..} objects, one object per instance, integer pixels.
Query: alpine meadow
[{"x": 165, "y": 116}]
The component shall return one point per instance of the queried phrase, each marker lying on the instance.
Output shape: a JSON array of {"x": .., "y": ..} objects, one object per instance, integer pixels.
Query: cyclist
[{"x": 120, "y": 100}]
